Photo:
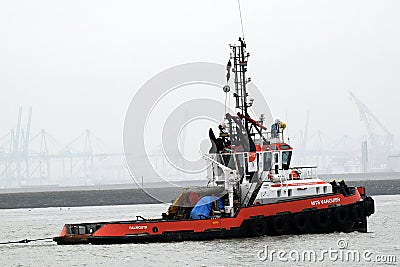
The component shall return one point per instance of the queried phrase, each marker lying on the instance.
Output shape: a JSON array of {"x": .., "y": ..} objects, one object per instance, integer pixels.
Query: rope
[{"x": 24, "y": 241}]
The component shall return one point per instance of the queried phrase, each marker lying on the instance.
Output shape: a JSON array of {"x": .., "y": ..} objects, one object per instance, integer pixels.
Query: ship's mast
[{"x": 239, "y": 57}]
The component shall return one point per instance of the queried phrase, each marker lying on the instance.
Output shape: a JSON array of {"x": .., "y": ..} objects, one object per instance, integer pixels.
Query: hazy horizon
[{"x": 79, "y": 64}]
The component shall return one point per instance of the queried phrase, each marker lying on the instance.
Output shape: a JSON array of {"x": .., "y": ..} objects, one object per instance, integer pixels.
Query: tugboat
[{"x": 252, "y": 189}]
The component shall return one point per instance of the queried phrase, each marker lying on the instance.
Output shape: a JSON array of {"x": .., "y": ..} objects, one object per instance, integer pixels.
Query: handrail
[{"x": 303, "y": 167}]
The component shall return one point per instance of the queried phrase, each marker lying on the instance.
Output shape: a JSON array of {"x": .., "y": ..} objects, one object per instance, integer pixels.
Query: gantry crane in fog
[
  {"x": 22, "y": 165},
  {"x": 379, "y": 146}
]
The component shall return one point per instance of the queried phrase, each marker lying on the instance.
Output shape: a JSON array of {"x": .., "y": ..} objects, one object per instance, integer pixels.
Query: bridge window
[
  {"x": 276, "y": 158},
  {"x": 267, "y": 161},
  {"x": 286, "y": 156}
]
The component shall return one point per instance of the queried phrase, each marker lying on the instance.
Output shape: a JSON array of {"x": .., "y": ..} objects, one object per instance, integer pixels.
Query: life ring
[
  {"x": 341, "y": 215},
  {"x": 257, "y": 227},
  {"x": 357, "y": 212},
  {"x": 302, "y": 221},
  {"x": 252, "y": 156},
  {"x": 323, "y": 219},
  {"x": 295, "y": 174},
  {"x": 280, "y": 224}
]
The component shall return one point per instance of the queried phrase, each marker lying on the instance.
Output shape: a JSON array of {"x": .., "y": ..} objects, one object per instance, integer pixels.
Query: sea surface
[{"x": 381, "y": 243}]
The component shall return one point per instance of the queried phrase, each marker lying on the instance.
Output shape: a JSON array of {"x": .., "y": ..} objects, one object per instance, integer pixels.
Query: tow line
[{"x": 24, "y": 241}]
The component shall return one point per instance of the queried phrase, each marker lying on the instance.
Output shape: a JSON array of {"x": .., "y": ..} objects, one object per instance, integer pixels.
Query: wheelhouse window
[
  {"x": 276, "y": 158},
  {"x": 286, "y": 156},
  {"x": 267, "y": 161}
]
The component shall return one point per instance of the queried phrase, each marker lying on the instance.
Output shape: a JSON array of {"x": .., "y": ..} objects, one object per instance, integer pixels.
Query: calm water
[{"x": 383, "y": 238}]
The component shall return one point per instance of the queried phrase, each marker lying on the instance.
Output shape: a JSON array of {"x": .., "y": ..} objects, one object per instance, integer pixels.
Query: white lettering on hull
[
  {"x": 325, "y": 201},
  {"x": 138, "y": 227}
]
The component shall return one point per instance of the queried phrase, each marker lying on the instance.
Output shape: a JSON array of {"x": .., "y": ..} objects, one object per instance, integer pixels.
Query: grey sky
[{"x": 79, "y": 63}]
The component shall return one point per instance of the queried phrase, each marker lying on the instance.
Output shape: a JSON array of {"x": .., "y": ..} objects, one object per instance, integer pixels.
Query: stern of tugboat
[{"x": 73, "y": 234}]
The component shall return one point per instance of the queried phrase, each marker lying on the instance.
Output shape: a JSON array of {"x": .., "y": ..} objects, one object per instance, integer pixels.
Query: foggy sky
[{"x": 79, "y": 63}]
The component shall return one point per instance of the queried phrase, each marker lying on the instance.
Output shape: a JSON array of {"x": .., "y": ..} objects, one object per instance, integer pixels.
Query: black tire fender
[
  {"x": 341, "y": 215},
  {"x": 257, "y": 227},
  {"x": 368, "y": 207},
  {"x": 302, "y": 221},
  {"x": 280, "y": 224},
  {"x": 357, "y": 212},
  {"x": 323, "y": 219}
]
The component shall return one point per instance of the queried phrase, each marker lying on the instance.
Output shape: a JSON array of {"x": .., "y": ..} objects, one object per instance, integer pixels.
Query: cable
[
  {"x": 226, "y": 98},
  {"x": 24, "y": 241},
  {"x": 241, "y": 21}
]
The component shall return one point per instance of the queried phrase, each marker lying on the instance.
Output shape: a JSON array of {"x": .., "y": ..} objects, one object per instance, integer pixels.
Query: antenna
[{"x": 241, "y": 21}]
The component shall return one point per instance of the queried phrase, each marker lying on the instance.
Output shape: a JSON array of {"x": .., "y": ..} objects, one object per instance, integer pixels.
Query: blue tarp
[{"x": 204, "y": 206}]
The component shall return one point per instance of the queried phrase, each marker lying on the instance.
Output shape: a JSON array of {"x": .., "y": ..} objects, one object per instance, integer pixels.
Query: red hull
[{"x": 303, "y": 215}]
